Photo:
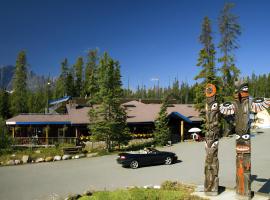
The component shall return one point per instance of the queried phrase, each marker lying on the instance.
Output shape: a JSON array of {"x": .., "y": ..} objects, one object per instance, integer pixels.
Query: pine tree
[
  {"x": 230, "y": 30},
  {"x": 4, "y": 104},
  {"x": 206, "y": 61},
  {"x": 107, "y": 117},
  {"x": 176, "y": 89},
  {"x": 78, "y": 67},
  {"x": 91, "y": 86},
  {"x": 19, "y": 95},
  {"x": 69, "y": 84},
  {"x": 162, "y": 132},
  {"x": 61, "y": 87}
]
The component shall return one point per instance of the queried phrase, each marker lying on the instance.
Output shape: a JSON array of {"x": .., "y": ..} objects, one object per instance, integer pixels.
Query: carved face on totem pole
[
  {"x": 212, "y": 112},
  {"x": 242, "y": 120}
]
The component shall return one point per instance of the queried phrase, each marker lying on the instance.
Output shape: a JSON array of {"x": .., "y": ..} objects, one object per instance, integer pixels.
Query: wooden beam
[
  {"x": 47, "y": 134},
  {"x": 76, "y": 132},
  {"x": 182, "y": 131},
  {"x": 13, "y": 132}
]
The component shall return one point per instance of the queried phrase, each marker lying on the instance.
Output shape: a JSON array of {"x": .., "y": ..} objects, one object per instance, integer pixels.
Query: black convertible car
[{"x": 148, "y": 156}]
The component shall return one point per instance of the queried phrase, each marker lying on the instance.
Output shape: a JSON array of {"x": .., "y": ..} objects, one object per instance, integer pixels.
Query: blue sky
[{"x": 150, "y": 38}]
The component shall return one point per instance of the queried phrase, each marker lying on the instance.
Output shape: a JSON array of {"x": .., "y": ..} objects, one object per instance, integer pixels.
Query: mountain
[{"x": 6, "y": 76}]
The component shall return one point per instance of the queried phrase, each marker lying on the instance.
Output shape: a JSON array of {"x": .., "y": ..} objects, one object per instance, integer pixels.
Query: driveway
[{"x": 48, "y": 180}]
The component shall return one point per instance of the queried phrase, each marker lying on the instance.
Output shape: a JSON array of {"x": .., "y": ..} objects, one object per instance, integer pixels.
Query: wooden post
[
  {"x": 47, "y": 134},
  {"x": 13, "y": 132},
  {"x": 76, "y": 132},
  {"x": 182, "y": 131}
]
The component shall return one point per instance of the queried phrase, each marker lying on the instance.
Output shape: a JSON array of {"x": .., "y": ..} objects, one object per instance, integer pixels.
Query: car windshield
[{"x": 150, "y": 150}]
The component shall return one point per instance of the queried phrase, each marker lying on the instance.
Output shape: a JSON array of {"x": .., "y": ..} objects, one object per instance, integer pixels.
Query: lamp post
[{"x": 48, "y": 90}]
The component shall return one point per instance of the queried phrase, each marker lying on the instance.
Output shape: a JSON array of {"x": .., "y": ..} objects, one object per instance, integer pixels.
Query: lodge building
[{"x": 72, "y": 124}]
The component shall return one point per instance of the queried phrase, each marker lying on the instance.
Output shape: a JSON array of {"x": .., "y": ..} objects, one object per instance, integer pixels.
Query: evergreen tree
[
  {"x": 37, "y": 100},
  {"x": 61, "y": 87},
  {"x": 107, "y": 117},
  {"x": 78, "y": 77},
  {"x": 4, "y": 104},
  {"x": 69, "y": 85},
  {"x": 162, "y": 132},
  {"x": 207, "y": 62},
  {"x": 5, "y": 139},
  {"x": 19, "y": 95},
  {"x": 230, "y": 30},
  {"x": 91, "y": 86},
  {"x": 176, "y": 89}
]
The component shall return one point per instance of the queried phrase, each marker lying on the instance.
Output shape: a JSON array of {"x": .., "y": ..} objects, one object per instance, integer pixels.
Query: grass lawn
[
  {"x": 169, "y": 191},
  {"x": 141, "y": 194}
]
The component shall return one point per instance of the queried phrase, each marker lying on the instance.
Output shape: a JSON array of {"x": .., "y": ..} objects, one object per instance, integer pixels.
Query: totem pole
[
  {"x": 211, "y": 168},
  {"x": 243, "y": 144},
  {"x": 241, "y": 109}
]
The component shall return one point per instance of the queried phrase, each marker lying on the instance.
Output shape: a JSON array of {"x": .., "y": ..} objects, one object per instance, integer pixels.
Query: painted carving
[
  {"x": 243, "y": 144},
  {"x": 240, "y": 111},
  {"x": 211, "y": 169}
]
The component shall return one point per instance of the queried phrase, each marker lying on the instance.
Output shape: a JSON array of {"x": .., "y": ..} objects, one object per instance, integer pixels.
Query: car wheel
[
  {"x": 168, "y": 160},
  {"x": 134, "y": 164}
]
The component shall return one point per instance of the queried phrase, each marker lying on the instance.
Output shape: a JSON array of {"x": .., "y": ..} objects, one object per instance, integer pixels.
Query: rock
[
  {"x": 66, "y": 157},
  {"x": 13, "y": 155},
  {"x": 17, "y": 162},
  {"x": 74, "y": 197},
  {"x": 37, "y": 151},
  {"x": 89, "y": 155},
  {"x": 25, "y": 159},
  {"x": 157, "y": 187},
  {"x": 148, "y": 186},
  {"x": 10, "y": 162},
  {"x": 38, "y": 160},
  {"x": 48, "y": 159},
  {"x": 79, "y": 156},
  {"x": 88, "y": 193},
  {"x": 57, "y": 158}
]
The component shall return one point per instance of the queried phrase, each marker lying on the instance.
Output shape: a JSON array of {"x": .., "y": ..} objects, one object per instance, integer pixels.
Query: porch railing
[{"x": 44, "y": 140}]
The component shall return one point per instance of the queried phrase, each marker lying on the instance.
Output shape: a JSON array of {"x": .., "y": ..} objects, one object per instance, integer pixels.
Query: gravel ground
[{"x": 51, "y": 180}]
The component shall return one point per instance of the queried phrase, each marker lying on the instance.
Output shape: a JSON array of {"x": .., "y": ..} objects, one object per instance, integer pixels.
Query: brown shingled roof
[
  {"x": 141, "y": 112},
  {"x": 136, "y": 112},
  {"x": 39, "y": 118}
]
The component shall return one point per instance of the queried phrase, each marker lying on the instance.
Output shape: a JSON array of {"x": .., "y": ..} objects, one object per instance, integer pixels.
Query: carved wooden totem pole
[
  {"x": 243, "y": 144},
  {"x": 211, "y": 168},
  {"x": 241, "y": 109}
]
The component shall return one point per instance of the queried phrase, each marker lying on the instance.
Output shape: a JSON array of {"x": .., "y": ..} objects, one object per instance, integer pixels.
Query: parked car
[{"x": 148, "y": 156}]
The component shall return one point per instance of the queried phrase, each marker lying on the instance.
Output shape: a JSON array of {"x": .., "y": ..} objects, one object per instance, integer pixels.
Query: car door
[{"x": 154, "y": 157}]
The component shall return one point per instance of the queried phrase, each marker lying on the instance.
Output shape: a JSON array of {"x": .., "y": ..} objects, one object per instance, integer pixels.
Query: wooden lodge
[{"x": 71, "y": 125}]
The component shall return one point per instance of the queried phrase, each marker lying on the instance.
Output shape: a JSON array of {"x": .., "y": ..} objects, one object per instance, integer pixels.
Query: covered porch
[{"x": 42, "y": 130}]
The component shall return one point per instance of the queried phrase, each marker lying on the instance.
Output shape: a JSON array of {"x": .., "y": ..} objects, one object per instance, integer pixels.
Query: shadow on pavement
[
  {"x": 221, "y": 189},
  {"x": 266, "y": 186},
  {"x": 178, "y": 161}
]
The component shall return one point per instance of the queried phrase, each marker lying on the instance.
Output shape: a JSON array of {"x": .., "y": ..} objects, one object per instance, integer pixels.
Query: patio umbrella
[{"x": 194, "y": 130}]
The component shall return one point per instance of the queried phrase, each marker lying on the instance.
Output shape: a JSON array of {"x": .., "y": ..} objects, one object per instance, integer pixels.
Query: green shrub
[
  {"x": 141, "y": 194},
  {"x": 176, "y": 186}
]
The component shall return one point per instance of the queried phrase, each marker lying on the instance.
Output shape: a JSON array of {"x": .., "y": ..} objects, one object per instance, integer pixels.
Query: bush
[
  {"x": 5, "y": 140},
  {"x": 176, "y": 186},
  {"x": 138, "y": 146},
  {"x": 141, "y": 194}
]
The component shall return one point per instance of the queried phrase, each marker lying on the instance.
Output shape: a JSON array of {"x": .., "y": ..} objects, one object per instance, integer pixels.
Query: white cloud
[{"x": 154, "y": 79}]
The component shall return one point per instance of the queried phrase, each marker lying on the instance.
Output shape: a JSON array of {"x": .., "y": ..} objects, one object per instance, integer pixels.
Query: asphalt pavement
[{"x": 51, "y": 180}]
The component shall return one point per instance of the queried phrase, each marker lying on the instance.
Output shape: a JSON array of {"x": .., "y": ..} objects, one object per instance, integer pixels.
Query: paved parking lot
[{"x": 45, "y": 180}]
